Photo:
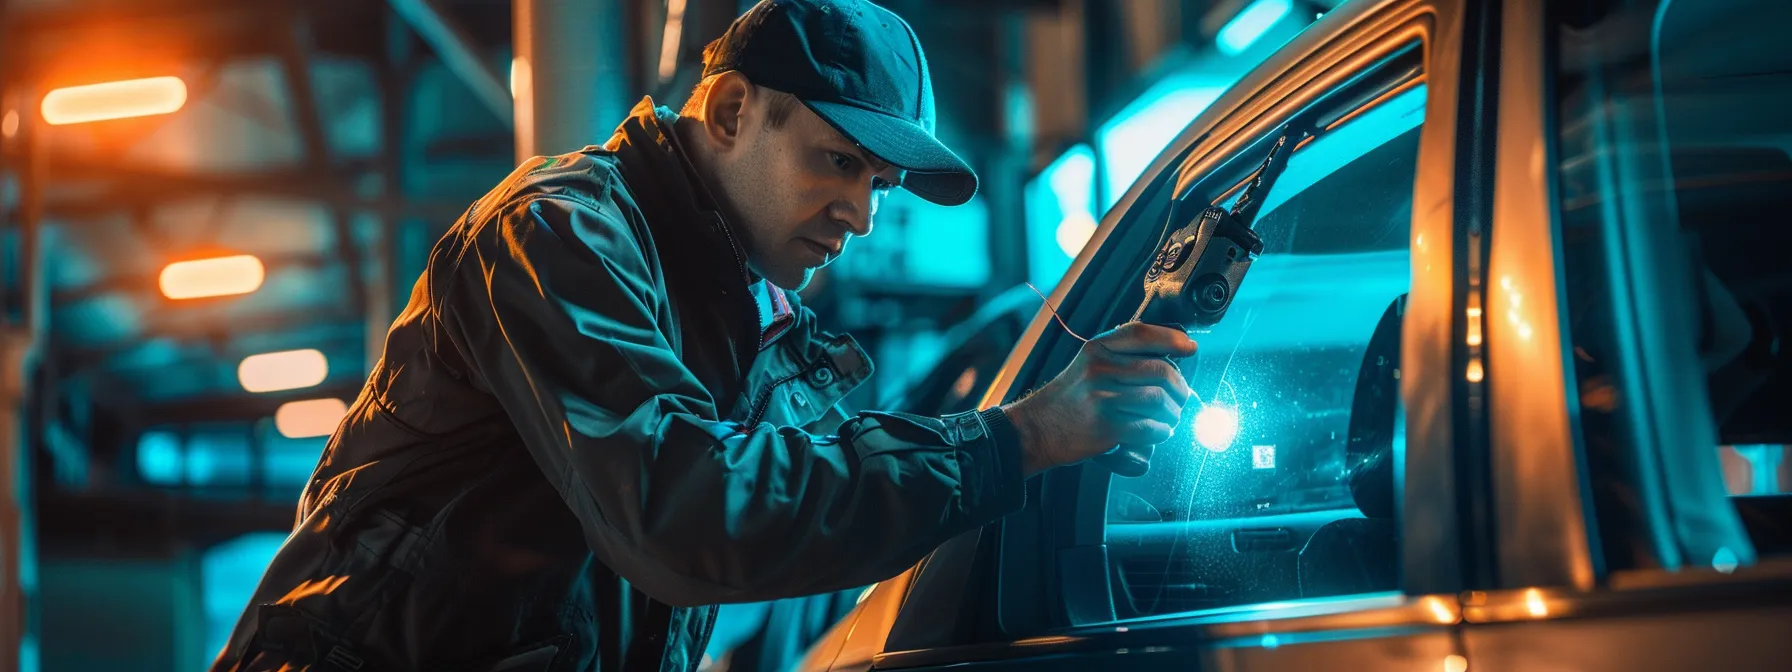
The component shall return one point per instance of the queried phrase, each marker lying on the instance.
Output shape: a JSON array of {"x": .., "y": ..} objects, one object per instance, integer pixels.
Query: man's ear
[{"x": 725, "y": 109}]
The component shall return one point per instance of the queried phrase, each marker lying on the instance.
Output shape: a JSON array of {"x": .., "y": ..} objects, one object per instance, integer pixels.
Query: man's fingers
[
  {"x": 1147, "y": 340},
  {"x": 1156, "y": 373},
  {"x": 1150, "y": 403},
  {"x": 1146, "y": 432}
]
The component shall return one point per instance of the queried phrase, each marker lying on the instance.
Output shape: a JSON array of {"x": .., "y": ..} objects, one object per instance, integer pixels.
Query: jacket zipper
[{"x": 747, "y": 282}]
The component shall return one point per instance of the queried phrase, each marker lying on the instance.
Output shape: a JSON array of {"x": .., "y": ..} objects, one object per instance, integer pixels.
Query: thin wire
[{"x": 1055, "y": 315}]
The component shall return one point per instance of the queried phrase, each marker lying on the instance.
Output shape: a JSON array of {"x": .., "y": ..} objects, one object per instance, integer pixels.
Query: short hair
[{"x": 777, "y": 110}]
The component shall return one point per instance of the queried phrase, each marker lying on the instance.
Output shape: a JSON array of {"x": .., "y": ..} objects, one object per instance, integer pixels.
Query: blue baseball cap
[{"x": 860, "y": 68}]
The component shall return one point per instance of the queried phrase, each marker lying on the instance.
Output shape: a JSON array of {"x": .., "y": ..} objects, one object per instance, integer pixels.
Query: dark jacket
[{"x": 582, "y": 432}]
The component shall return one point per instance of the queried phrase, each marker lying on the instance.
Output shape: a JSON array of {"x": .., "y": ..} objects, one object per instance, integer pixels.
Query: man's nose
[{"x": 855, "y": 215}]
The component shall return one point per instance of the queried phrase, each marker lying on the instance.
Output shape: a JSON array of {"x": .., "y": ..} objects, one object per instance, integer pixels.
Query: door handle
[{"x": 1262, "y": 539}]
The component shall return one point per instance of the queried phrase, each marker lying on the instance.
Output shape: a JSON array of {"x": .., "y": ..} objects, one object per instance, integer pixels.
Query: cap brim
[{"x": 934, "y": 172}]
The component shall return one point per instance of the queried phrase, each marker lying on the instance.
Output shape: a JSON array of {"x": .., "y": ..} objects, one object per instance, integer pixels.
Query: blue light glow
[
  {"x": 1135, "y": 136},
  {"x": 1063, "y": 192},
  {"x": 1070, "y": 178},
  {"x": 915, "y": 242},
  {"x": 1725, "y": 560},
  {"x": 218, "y": 457},
  {"x": 229, "y": 573},
  {"x": 1270, "y": 641},
  {"x": 1245, "y": 29},
  {"x": 159, "y": 459}
]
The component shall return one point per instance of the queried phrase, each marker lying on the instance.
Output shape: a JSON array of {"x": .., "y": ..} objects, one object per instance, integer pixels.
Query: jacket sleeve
[{"x": 554, "y": 307}]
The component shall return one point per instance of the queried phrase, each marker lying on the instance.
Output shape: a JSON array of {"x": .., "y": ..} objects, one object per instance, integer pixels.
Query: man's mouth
[{"x": 825, "y": 252}]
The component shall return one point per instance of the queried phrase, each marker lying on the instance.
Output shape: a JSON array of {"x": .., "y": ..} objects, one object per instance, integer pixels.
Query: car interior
[
  {"x": 1724, "y": 149},
  {"x": 1280, "y": 482}
]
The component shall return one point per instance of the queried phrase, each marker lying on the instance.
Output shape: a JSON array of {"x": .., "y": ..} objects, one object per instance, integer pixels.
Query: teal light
[
  {"x": 1060, "y": 205},
  {"x": 287, "y": 463},
  {"x": 914, "y": 242},
  {"x": 159, "y": 459},
  {"x": 229, "y": 573},
  {"x": 1244, "y": 30},
  {"x": 218, "y": 456},
  {"x": 1135, "y": 136}
]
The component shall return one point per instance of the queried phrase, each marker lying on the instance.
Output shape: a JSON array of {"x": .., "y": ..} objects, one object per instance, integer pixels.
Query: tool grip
[
  {"x": 1126, "y": 461},
  {"x": 1134, "y": 461}
]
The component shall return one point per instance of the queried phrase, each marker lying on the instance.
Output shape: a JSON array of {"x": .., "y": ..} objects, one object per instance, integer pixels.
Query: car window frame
[{"x": 1241, "y": 120}]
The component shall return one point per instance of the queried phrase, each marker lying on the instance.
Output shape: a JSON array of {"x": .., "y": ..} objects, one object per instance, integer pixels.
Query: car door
[
  {"x": 1635, "y": 295},
  {"x": 1256, "y": 539}
]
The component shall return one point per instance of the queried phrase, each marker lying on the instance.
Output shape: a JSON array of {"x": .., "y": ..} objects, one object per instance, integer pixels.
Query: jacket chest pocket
[{"x": 784, "y": 388}]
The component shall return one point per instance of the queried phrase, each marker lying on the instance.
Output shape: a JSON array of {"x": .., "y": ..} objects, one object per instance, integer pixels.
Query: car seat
[{"x": 1362, "y": 555}]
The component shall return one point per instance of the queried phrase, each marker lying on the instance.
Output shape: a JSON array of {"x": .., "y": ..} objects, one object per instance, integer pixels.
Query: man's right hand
[{"x": 1122, "y": 388}]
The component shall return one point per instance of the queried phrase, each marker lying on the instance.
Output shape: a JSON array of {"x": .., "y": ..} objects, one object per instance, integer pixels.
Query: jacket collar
[{"x": 675, "y": 200}]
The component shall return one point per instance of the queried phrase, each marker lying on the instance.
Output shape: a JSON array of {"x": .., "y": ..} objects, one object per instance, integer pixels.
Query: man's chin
[{"x": 795, "y": 280}]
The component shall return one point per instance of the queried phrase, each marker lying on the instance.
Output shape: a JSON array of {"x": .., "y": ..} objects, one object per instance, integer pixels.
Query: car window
[
  {"x": 1656, "y": 121},
  {"x": 1255, "y": 498}
]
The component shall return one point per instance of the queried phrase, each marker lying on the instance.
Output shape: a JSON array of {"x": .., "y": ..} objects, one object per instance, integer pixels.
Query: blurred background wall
[{"x": 210, "y": 211}]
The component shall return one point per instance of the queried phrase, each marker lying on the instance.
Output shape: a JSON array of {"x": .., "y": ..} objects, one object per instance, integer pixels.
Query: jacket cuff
[{"x": 989, "y": 458}]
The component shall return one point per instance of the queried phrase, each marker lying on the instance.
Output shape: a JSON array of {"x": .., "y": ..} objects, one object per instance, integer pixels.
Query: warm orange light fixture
[
  {"x": 306, "y": 419},
  {"x": 114, "y": 100},
  {"x": 220, "y": 276},
  {"x": 287, "y": 370}
]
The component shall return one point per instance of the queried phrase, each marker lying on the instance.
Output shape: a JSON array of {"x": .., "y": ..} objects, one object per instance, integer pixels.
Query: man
[{"x": 603, "y": 411}]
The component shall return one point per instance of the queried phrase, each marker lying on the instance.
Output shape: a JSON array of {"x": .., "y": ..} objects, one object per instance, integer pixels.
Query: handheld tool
[{"x": 1198, "y": 269}]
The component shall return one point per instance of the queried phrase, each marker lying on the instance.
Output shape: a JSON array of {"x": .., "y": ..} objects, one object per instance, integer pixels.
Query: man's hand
[{"x": 1120, "y": 389}]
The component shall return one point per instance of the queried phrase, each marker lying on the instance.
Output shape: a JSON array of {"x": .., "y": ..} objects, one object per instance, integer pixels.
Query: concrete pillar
[{"x": 571, "y": 74}]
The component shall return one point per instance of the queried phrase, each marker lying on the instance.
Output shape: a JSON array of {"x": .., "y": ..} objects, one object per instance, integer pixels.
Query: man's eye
[{"x": 841, "y": 161}]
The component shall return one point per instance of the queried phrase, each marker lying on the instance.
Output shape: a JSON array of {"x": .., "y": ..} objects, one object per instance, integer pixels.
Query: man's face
[{"x": 797, "y": 192}]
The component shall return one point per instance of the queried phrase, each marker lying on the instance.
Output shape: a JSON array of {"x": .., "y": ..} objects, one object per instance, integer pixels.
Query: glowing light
[
  {"x": 1533, "y": 601},
  {"x": 518, "y": 68},
  {"x": 669, "y": 41},
  {"x": 1063, "y": 190},
  {"x": 865, "y": 594},
  {"x": 1074, "y": 232},
  {"x": 1245, "y": 29},
  {"x": 1137, "y": 134},
  {"x": 1270, "y": 641},
  {"x": 1216, "y": 426},
  {"x": 1455, "y": 663},
  {"x": 9, "y": 124},
  {"x": 305, "y": 419},
  {"x": 1475, "y": 373},
  {"x": 1725, "y": 561},
  {"x": 221, "y": 276},
  {"x": 160, "y": 459},
  {"x": 1440, "y": 611},
  {"x": 286, "y": 370},
  {"x": 962, "y": 387},
  {"x": 114, "y": 100}
]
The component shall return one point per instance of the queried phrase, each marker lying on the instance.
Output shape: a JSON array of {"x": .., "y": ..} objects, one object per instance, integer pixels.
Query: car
[{"x": 1503, "y": 388}]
